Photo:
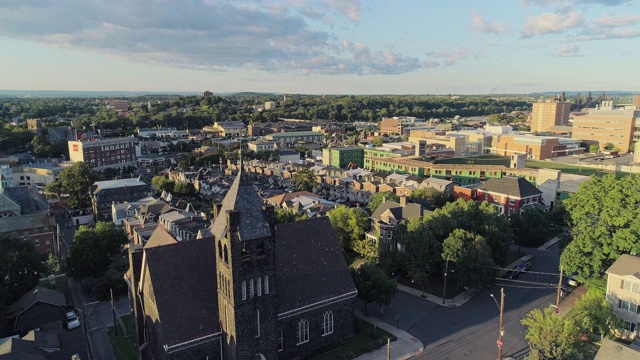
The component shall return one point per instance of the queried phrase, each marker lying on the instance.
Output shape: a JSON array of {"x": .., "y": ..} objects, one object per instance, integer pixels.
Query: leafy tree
[
  {"x": 41, "y": 146},
  {"x": 605, "y": 223},
  {"x": 162, "y": 183},
  {"x": 558, "y": 214},
  {"x": 76, "y": 181},
  {"x": 377, "y": 199},
  {"x": 553, "y": 337},
  {"x": 287, "y": 216},
  {"x": 53, "y": 264},
  {"x": 595, "y": 313},
  {"x": 304, "y": 180},
  {"x": 92, "y": 251},
  {"x": 530, "y": 227},
  {"x": 377, "y": 141},
  {"x": 472, "y": 258},
  {"x": 366, "y": 248},
  {"x": 21, "y": 266},
  {"x": 609, "y": 146},
  {"x": 350, "y": 224},
  {"x": 184, "y": 188},
  {"x": 594, "y": 149},
  {"x": 433, "y": 197},
  {"x": 373, "y": 285}
]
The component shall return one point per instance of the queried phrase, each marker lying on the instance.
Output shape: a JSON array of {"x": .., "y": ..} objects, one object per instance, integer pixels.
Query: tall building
[
  {"x": 608, "y": 124},
  {"x": 270, "y": 105},
  {"x": 636, "y": 101},
  {"x": 207, "y": 94},
  {"x": 34, "y": 125},
  {"x": 107, "y": 153},
  {"x": 546, "y": 115},
  {"x": 251, "y": 290}
]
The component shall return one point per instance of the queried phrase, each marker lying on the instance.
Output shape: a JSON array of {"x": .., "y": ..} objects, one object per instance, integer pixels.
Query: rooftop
[{"x": 113, "y": 184}]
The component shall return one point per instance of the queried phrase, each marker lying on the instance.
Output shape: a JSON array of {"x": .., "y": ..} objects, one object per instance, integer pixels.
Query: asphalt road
[{"x": 471, "y": 330}]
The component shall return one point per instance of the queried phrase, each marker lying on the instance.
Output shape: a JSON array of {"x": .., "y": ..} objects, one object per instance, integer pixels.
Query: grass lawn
[
  {"x": 122, "y": 345},
  {"x": 362, "y": 342},
  {"x": 435, "y": 285},
  {"x": 480, "y": 160},
  {"x": 570, "y": 169},
  {"x": 60, "y": 285}
]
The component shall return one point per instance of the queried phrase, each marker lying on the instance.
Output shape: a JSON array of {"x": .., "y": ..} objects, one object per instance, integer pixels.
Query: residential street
[{"x": 471, "y": 330}]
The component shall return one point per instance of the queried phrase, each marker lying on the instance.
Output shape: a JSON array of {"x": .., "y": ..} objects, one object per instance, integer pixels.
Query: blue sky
[{"x": 321, "y": 46}]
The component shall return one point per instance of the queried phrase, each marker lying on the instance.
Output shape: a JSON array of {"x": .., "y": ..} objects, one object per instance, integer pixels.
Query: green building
[{"x": 342, "y": 157}]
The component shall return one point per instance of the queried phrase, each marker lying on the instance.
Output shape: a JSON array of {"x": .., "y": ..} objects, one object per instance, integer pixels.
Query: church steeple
[{"x": 244, "y": 177}]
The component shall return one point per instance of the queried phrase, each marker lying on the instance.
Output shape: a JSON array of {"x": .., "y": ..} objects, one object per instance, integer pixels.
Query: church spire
[{"x": 244, "y": 177}]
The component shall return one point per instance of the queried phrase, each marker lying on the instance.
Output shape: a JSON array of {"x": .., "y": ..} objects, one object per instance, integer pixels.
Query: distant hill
[
  {"x": 89, "y": 94},
  {"x": 593, "y": 92}
]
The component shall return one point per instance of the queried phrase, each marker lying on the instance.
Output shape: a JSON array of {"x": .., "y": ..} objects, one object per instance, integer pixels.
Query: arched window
[
  {"x": 226, "y": 254},
  {"x": 281, "y": 340},
  {"x": 244, "y": 290},
  {"x": 327, "y": 323},
  {"x": 250, "y": 288},
  {"x": 259, "y": 286},
  {"x": 303, "y": 331},
  {"x": 266, "y": 284},
  {"x": 257, "y": 323}
]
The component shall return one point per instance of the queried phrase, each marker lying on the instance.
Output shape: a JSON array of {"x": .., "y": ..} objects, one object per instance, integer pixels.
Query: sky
[{"x": 321, "y": 46}]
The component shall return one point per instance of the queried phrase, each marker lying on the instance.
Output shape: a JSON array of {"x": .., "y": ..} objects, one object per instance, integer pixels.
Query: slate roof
[
  {"x": 160, "y": 237},
  {"x": 24, "y": 197},
  {"x": 411, "y": 210},
  {"x": 185, "y": 289},
  {"x": 17, "y": 223},
  {"x": 510, "y": 186},
  {"x": 37, "y": 294},
  {"x": 310, "y": 264},
  {"x": 626, "y": 265},
  {"x": 245, "y": 199},
  {"x": 18, "y": 349}
]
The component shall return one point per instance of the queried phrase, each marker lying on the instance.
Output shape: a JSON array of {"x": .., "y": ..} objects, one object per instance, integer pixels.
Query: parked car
[
  {"x": 72, "y": 319},
  {"x": 572, "y": 281},
  {"x": 524, "y": 266},
  {"x": 511, "y": 274}
]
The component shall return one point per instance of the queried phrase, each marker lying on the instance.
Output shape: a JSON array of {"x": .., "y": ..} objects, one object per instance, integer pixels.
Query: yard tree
[
  {"x": 595, "y": 313},
  {"x": 530, "y": 227},
  {"x": 604, "y": 216},
  {"x": 553, "y": 337},
  {"x": 377, "y": 199},
  {"x": 304, "y": 180},
  {"x": 288, "y": 216},
  {"x": 76, "y": 181},
  {"x": 162, "y": 183},
  {"x": 92, "y": 251},
  {"x": 609, "y": 146},
  {"x": 350, "y": 224},
  {"x": 594, "y": 149},
  {"x": 184, "y": 188},
  {"x": 435, "y": 198},
  {"x": 471, "y": 256},
  {"x": 421, "y": 249},
  {"x": 21, "y": 266},
  {"x": 373, "y": 285}
]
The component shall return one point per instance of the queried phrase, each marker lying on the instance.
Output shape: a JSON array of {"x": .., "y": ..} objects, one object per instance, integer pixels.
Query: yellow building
[
  {"x": 546, "y": 115},
  {"x": 607, "y": 124}
]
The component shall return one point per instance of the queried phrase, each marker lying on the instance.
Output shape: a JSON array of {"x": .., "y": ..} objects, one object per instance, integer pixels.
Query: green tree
[
  {"x": 377, "y": 141},
  {"x": 184, "y": 188},
  {"x": 595, "y": 313},
  {"x": 21, "y": 266},
  {"x": 53, "y": 264},
  {"x": 472, "y": 257},
  {"x": 92, "y": 251},
  {"x": 605, "y": 223},
  {"x": 41, "y": 146},
  {"x": 76, "y": 181},
  {"x": 594, "y": 149},
  {"x": 552, "y": 337},
  {"x": 350, "y": 224},
  {"x": 304, "y": 180},
  {"x": 162, "y": 183},
  {"x": 377, "y": 199},
  {"x": 287, "y": 216},
  {"x": 373, "y": 285},
  {"x": 530, "y": 227},
  {"x": 433, "y": 197},
  {"x": 609, "y": 146}
]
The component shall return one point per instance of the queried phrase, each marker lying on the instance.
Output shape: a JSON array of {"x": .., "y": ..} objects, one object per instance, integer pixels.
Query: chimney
[
  {"x": 403, "y": 201},
  {"x": 384, "y": 199}
]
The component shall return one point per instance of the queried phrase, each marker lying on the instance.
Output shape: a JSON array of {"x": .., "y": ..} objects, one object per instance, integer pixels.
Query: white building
[{"x": 270, "y": 105}]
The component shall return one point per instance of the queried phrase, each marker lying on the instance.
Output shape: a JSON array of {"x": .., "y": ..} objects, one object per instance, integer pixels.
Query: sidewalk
[{"x": 405, "y": 347}]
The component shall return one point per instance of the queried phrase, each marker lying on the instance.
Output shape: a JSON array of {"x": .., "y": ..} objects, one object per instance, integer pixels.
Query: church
[{"x": 252, "y": 289}]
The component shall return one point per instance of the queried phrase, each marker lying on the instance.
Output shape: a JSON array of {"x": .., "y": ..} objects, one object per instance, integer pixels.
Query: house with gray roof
[
  {"x": 623, "y": 292},
  {"x": 509, "y": 194},
  {"x": 105, "y": 193},
  {"x": 20, "y": 200},
  {"x": 35, "y": 308},
  {"x": 386, "y": 219}
]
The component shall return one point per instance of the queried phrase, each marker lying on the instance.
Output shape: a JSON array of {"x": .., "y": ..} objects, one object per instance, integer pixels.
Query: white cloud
[
  {"x": 453, "y": 55},
  {"x": 549, "y": 23},
  {"x": 213, "y": 35},
  {"x": 570, "y": 2},
  {"x": 610, "y": 21},
  {"x": 478, "y": 23},
  {"x": 569, "y": 50},
  {"x": 613, "y": 34}
]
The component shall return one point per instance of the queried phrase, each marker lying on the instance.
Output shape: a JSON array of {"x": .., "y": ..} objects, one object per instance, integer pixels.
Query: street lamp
[
  {"x": 500, "y": 331},
  {"x": 444, "y": 289}
]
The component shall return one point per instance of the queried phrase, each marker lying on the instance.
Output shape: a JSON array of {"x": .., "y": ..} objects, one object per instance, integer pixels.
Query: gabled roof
[
  {"x": 243, "y": 198},
  {"x": 37, "y": 294},
  {"x": 311, "y": 267},
  {"x": 407, "y": 212},
  {"x": 184, "y": 284},
  {"x": 610, "y": 349},
  {"x": 160, "y": 237},
  {"x": 18, "y": 349},
  {"x": 510, "y": 186},
  {"x": 626, "y": 265}
]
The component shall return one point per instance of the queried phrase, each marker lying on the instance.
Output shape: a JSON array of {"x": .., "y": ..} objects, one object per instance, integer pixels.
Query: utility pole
[
  {"x": 388, "y": 348},
  {"x": 444, "y": 289},
  {"x": 113, "y": 310},
  {"x": 501, "y": 318},
  {"x": 559, "y": 291}
]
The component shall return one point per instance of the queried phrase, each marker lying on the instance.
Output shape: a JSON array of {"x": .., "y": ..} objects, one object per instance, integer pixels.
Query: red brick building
[
  {"x": 508, "y": 194},
  {"x": 38, "y": 229}
]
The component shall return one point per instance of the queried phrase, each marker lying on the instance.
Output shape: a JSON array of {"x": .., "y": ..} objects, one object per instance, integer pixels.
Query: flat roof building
[
  {"x": 546, "y": 115},
  {"x": 343, "y": 157},
  {"x": 608, "y": 124},
  {"x": 107, "y": 153}
]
